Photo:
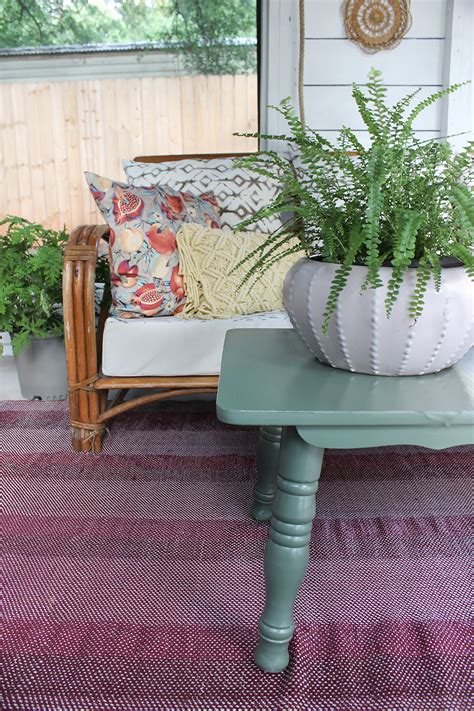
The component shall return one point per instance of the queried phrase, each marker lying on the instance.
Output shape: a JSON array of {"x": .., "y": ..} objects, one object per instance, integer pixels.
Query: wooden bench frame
[{"x": 87, "y": 387}]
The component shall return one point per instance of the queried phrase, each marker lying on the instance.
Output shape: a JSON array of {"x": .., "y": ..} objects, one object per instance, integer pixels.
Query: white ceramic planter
[{"x": 360, "y": 336}]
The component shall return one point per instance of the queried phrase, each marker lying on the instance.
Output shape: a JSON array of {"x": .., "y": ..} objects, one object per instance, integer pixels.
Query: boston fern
[
  {"x": 400, "y": 199},
  {"x": 31, "y": 263}
]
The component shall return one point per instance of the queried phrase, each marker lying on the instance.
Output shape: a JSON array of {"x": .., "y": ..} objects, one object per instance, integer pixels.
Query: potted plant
[
  {"x": 386, "y": 286},
  {"x": 31, "y": 263}
]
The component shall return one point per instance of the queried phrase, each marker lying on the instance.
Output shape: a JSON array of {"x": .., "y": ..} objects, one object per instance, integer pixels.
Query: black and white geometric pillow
[{"x": 239, "y": 192}]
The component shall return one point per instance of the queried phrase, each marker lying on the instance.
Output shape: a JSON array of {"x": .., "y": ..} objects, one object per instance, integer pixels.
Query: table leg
[
  {"x": 268, "y": 450},
  {"x": 287, "y": 552}
]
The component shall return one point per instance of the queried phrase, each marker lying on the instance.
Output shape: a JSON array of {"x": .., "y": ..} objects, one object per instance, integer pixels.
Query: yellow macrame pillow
[{"x": 206, "y": 258}]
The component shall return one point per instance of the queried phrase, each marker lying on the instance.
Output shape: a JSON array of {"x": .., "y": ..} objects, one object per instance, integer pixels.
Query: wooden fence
[{"x": 53, "y": 131}]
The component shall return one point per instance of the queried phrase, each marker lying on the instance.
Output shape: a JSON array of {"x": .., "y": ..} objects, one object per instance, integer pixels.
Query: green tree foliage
[
  {"x": 206, "y": 31},
  {"x": 25, "y": 23},
  {"x": 401, "y": 199}
]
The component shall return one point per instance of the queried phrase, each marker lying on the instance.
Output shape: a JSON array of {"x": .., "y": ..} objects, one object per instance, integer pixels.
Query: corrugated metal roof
[{"x": 107, "y": 48}]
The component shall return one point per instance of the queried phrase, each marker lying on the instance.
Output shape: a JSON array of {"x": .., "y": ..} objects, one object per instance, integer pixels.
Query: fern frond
[
  {"x": 371, "y": 226},
  {"x": 463, "y": 164},
  {"x": 355, "y": 241},
  {"x": 377, "y": 95},
  {"x": 399, "y": 108},
  {"x": 423, "y": 275},
  {"x": 466, "y": 256},
  {"x": 463, "y": 202},
  {"x": 261, "y": 255},
  {"x": 367, "y": 116},
  {"x": 276, "y": 257},
  {"x": 436, "y": 268},
  {"x": 422, "y": 105},
  {"x": 403, "y": 255},
  {"x": 353, "y": 141}
]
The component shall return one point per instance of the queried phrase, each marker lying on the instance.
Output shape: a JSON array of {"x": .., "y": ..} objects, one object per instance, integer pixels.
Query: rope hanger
[{"x": 301, "y": 61}]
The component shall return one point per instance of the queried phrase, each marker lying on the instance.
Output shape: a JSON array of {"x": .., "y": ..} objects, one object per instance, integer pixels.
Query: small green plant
[
  {"x": 31, "y": 263},
  {"x": 400, "y": 199}
]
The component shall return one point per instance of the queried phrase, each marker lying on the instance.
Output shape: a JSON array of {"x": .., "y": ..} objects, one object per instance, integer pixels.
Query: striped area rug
[{"x": 134, "y": 578}]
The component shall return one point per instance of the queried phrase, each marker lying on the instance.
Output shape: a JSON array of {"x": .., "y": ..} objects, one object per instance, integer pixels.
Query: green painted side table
[{"x": 269, "y": 378}]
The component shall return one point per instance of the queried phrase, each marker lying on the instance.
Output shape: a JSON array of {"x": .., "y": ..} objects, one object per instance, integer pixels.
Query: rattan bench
[{"x": 90, "y": 408}]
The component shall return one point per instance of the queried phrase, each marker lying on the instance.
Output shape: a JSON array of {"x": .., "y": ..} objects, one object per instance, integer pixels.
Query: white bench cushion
[{"x": 171, "y": 346}]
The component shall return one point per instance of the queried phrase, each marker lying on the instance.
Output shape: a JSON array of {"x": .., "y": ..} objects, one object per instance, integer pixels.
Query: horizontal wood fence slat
[{"x": 54, "y": 131}]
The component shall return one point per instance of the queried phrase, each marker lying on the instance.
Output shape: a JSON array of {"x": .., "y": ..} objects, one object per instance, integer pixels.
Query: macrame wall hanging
[{"x": 376, "y": 24}]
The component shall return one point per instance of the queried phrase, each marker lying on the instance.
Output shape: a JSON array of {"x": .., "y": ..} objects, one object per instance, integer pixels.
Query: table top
[{"x": 268, "y": 377}]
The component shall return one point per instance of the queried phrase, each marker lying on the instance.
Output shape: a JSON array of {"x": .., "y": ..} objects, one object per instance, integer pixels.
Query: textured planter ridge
[{"x": 360, "y": 336}]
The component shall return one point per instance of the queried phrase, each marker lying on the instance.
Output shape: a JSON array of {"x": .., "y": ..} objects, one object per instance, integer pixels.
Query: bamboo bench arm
[
  {"x": 80, "y": 259},
  {"x": 82, "y": 351}
]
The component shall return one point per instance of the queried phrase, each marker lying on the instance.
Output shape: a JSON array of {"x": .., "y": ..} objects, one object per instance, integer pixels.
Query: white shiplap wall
[{"x": 440, "y": 38}]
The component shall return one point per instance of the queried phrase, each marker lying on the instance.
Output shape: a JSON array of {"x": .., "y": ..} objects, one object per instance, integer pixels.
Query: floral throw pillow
[{"x": 143, "y": 254}]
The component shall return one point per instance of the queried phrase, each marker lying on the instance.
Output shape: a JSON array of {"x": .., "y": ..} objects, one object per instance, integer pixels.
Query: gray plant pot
[{"x": 41, "y": 368}]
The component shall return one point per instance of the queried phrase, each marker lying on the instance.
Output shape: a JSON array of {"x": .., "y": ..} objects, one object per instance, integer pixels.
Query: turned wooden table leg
[
  {"x": 268, "y": 450},
  {"x": 287, "y": 552}
]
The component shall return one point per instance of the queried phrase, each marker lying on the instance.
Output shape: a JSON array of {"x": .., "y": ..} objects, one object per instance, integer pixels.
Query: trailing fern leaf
[
  {"x": 356, "y": 238},
  {"x": 404, "y": 253},
  {"x": 371, "y": 225}
]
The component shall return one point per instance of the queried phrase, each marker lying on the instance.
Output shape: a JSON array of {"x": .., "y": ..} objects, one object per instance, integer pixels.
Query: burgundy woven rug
[{"x": 134, "y": 577}]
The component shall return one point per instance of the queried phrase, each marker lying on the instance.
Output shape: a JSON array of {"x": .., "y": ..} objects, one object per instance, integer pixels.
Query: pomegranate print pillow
[{"x": 143, "y": 255}]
